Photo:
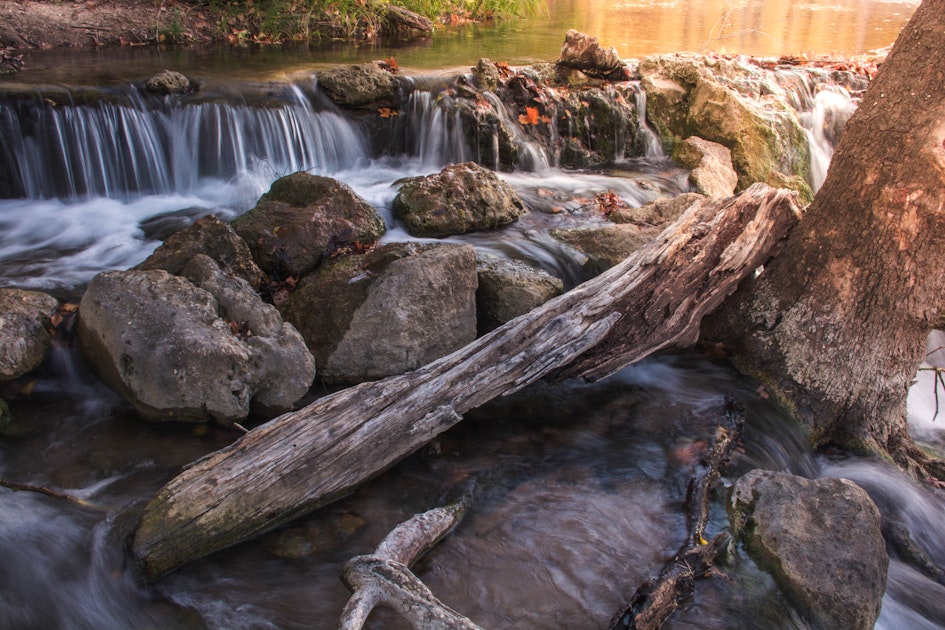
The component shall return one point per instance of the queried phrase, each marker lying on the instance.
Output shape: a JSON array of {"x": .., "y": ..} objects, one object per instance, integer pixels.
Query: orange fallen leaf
[
  {"x": 387, "y": 112},
  {"x": 530, "y": 117}
]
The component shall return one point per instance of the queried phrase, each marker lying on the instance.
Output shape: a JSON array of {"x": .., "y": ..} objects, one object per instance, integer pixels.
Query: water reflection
[{"x": 634, "y": 27}]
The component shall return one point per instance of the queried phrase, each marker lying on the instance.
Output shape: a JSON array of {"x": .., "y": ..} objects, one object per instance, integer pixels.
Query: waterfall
[
  {"x": 653, "y": 146},
  {"x": 136, "y": 147},
  {"x": 432, "y": 132},
  {"x": 830, "y": 110}
]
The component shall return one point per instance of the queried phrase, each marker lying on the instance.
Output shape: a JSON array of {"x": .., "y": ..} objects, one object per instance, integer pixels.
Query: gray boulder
[
  {"x": 24, "y": 317},
  {"x": 304, "y": 218},
  {"x": 710, "y": 165},
  {"x": 365, "y": 85},
  {"x": 509, "y": 288},
  {"x": 179, "y": 351},
  {"x": 584, "y": 53},
  {"x": 821, "y": 540},
  {"x": 211, "y": 237},
  {"x": 395, "y": 309},
  {"x": 460, "y": 198}
]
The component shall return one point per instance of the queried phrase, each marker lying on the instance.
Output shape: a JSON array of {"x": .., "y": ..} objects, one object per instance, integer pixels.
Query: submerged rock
[
  {"x": 304, "y": 218},
  {"x": 24, "y": 338},
  {"x": 821, "y": 540},
  {"x": 459, "y": 199},
  {"x": 177, "y": 351},
  {"x": 211, "y": 237},
  {"x": 395, "y": 309},
  {"x": 509, "y": 288},
  {"x": 710, "y": 165}
]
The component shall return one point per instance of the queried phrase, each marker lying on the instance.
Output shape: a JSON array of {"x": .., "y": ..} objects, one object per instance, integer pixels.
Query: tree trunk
[
  {"x": 837, "y": 323},
  {"x": 655, "y": 299}
]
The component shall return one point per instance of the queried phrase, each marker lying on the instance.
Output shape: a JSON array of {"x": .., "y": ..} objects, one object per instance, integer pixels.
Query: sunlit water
[{"x": 579, "y": 487}]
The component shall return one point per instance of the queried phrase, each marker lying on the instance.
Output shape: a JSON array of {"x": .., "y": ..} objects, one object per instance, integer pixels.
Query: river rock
[
  {"x": 304, "y": 218},
  {"x": 460, "y": 198},
  {"x": 658, "y": 212},
  {"x": 821, "y": 541},
  {"x": 395, "y": 309},
  {"x": 764, "y": 135},
  {"x": 24, "y": 338},
  {"x": 176, "y": 352},
  {"x": 366, "y": 86},
  {"x": 509, "y": 288},
  {"x": 710, "y": 165},
  {"x": 582, "y": 52},
  {"x": 169, "y": 82},
  {"x": 604, "y": 245},
  {"x": 486, "y": 74},
  {"x": 211, "y": 237}
]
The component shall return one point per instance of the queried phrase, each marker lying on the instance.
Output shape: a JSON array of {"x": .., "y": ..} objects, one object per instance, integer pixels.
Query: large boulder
[
  {"x": 24, "y": 338},
  {"x": 710, "y": 165},
  {"x": 509, "y": 288},
  {"x": 304, "y": 218},
  {"x": 211, "y": 237},
  {"x": 687, "y": 98},
  {"x": 365, "y": 85},
  {"x": 461, "y": 198},
  {"x": 179, "y": 351},
  {"x": 821, "y": 540},
  {"x": 582, "y": 52},
  {"x": 395, "y": 309}
]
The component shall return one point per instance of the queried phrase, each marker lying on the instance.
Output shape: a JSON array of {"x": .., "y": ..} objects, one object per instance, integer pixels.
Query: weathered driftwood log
[
  {"x": 384, "y": 577},
  {"x": 305, "y": 459},
  {"x": 656, "y": 599}
]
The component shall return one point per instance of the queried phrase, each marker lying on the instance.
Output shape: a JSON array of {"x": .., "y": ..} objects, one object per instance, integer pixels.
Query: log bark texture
[
  {"x": 303, "y": 460},
  {"x": 838, "y": 323}
]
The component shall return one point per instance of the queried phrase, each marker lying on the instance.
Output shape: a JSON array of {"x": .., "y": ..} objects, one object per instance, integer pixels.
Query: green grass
[{"x": 300, "y": 20}]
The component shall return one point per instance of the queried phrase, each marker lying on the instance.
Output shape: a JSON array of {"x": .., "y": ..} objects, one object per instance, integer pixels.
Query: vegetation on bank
[{"x": 276, "y": 21}]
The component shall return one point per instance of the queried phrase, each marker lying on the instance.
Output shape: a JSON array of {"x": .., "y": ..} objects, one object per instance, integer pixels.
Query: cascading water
[
  {"x": 653, "y": 146},
  {"x": 141, "y": 147},
  {"x": 582, "y": 484}
]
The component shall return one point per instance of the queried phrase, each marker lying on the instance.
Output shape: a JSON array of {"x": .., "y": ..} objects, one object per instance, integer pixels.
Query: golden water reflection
[{"x": 757, "y": 27}]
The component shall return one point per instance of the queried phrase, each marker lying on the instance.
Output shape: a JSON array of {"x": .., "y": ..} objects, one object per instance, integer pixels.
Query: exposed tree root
[{"x": 384, "y": 578}]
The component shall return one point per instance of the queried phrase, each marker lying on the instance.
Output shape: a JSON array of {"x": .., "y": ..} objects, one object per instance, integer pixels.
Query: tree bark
[
  {"x": 837, "y": 323},
  {"x": 300, "y": 461}
]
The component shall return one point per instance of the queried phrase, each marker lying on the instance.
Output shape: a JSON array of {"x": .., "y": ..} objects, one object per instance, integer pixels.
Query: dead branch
[
  {"x": 303, "y": 460},
  {"x": 384, "y": 577},
  {"x": 656, "y": 599},
  {"x": 49, "y": 492}
]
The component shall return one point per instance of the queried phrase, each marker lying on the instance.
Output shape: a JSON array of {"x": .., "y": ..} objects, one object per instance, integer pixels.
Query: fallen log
[
  {"x": 302, "y": 460},
  {"x": 384, "y": 577}
]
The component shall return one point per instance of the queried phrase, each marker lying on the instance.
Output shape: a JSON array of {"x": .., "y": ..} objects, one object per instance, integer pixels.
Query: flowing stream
[{"x": 579, "y": 487}]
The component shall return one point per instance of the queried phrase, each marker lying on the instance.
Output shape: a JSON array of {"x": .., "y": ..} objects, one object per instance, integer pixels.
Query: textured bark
[
  {"x": 837, "y": 324},
  {"x": 300, "y": 461}
]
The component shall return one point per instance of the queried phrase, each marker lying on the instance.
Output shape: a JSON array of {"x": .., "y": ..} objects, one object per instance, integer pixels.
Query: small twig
[
  {"x": 22, "y": 487},
  {"x": 240, "y": 427},
  {"x": 939, "y": 377}
]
